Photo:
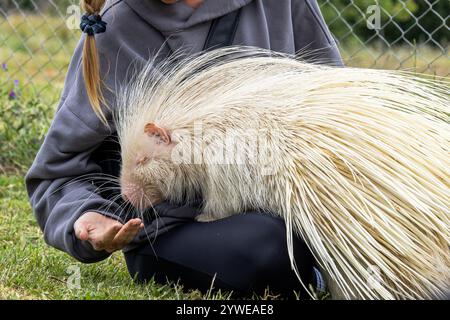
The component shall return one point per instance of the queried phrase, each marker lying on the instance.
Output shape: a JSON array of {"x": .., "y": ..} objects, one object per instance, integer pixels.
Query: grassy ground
[
  {"x": 36, "y": 53},
  {"x": 29, "y": 269}
]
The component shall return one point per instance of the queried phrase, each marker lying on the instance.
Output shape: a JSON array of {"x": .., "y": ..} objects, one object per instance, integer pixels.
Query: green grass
[
  {"x": 23, "y": 124},
  {"x": 29, "y": 269}
]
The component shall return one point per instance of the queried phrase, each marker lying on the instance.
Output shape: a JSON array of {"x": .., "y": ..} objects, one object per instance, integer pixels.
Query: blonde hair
[{"x": 91, "y": 63}]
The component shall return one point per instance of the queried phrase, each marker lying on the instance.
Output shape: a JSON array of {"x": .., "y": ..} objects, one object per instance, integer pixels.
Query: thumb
[{"x": 81, "y": 231}]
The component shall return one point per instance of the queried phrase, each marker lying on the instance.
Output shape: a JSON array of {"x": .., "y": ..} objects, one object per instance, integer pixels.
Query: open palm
[{"x": 106, "y": 233}]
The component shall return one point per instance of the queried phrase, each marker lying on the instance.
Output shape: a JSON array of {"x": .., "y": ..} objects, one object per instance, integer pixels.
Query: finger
[
  {"x": 111, "y": 232},
  {"x": 81, "y": 231},
  {"x": 124, "y": 240},
  {"x": 127, "y": 233},
  {"x": 131, "y": 235},
  {"x": 104, "y": 240}
]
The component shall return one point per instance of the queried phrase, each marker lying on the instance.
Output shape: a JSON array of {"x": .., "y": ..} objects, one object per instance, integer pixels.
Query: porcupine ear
[{"x": 162, "y": 134}]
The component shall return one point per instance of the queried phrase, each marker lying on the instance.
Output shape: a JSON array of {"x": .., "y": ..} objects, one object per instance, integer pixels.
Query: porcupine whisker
[
  {"x": 157, "y": 219},
  {"x": 104, "y": 187},
  {"x": 112, "y": 151},
  {"x": 111, "y": 160},
  {"x": 112, "y": 201},
  {"x": 107, "y": 206},
  {"x": 101, "y": 187},
  {"x": 151, "y": 241},
  {"x": 123, "y": 211},
  {"x": 72, "y": 181},
  {"x": 90, "y": 193},
  {"x": 87, "y": 177}
]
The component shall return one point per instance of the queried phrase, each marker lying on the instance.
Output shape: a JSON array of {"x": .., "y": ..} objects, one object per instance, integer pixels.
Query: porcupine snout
[{"x": 134, "y": 194}]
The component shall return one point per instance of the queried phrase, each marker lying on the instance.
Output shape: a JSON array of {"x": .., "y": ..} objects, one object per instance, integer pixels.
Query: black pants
[{"x": 247, "y": 253}]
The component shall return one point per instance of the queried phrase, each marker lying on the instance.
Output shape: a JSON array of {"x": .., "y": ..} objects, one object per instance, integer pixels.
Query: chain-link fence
[
  {"x": 390, "y": 34},
  {"x": 36, "y": 42}
]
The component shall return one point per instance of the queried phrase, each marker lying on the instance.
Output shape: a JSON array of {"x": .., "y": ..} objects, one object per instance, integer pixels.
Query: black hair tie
[{"x": 92, "y": 24}]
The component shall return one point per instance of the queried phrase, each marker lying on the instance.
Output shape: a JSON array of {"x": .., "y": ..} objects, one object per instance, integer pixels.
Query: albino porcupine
[{"x": 356, "y": 161}]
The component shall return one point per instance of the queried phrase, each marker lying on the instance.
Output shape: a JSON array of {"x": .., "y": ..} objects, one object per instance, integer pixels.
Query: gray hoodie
[{"x": 77, "y": 143}]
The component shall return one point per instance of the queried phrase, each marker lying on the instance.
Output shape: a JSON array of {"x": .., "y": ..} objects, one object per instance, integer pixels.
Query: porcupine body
[{"x": 356, "y": 161}]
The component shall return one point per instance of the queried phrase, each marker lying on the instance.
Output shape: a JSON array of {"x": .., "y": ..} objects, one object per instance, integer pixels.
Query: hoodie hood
[{"x": 172, "y": 18}]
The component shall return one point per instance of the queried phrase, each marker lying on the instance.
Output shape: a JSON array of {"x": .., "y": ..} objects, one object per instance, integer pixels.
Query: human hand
[{"x": 105, "y": 233}]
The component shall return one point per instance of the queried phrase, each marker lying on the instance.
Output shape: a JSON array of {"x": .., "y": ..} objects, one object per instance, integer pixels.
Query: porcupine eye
[{"x": 142, "y": 160}]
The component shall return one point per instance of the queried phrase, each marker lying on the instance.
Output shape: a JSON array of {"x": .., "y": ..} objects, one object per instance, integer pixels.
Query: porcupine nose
[{"x": 133, "y": 194}]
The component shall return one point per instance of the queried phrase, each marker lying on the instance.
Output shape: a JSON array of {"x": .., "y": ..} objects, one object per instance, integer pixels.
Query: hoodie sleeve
[
  {"x": 60, "y": 182},
  {"x": 57, "y": 185},
  {"x": 312, "y": 35}
]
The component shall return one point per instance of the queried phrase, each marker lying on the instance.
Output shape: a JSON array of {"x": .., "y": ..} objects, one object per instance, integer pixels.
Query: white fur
[{"x": 360, "y": 158}]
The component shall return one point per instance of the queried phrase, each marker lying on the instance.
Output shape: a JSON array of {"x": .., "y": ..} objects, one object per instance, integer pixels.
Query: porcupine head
[
  {"x": 199, "y": 161},
  {"x": 187, "y": 136}
]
